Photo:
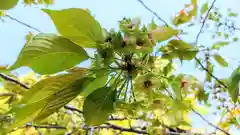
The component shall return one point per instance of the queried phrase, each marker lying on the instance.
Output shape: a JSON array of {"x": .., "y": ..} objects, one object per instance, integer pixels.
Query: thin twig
[
  {"x": 81, "y": 112},
  {"x": 47, "y": 126},
  {"x": 39, "y": 127},
  {"x": 23, "y": 23},
  {"x": 150, "y": 10},
  {"x": 204, "y": 21},
  {"x": 133, "y": 94},
  {"x": 121, "y": 88},
  {"x": 202, "y": 66},
  {"x": 9, "y": 94},
  {"x": 125, "y": 94},
  {"x": 115, "y": 127},
  {"x": 7, "y": 78},
  {"x": 216, "y": 127},
  {"x": 39, "y": 132},
  {"x": 73, "y": 109}
]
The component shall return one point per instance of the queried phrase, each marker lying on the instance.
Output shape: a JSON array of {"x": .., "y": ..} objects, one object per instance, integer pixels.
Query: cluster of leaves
[
  {"x": 131, "y": 77},
  {"x": 8, "y": 4}
]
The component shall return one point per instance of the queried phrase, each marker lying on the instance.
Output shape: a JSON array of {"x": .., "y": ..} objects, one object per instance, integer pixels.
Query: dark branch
[
  {"x": 219, "y": 81},
  {"x": 73, "y": 109},
  {"x": 150, "y": 10},
  {"x": 9, "y": 94},
  {"x": 47, "y": 126},
  {"x": 23, "y": 23},
  {"x": 216, "y": 127},
  {"x": 7, "y": 78},
  {"x": 204, "y": 21},
  {"x": 122, "y": 129},
  {"x": 81, "y": 112}
]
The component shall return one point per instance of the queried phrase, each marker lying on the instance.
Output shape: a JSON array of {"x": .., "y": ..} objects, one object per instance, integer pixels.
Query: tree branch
[
  {"x": 39, "y": 127},
  {"x": 7, "y": 78},
  {"x": 81, "y": 112},
  {"x": 23, "y": 23},
  {"x": 219, "y": 81},
  {"x": 122, "y": 129},
  {"x": 46, "y": 126},
  {"x": 150, "y": 10},
  {"x": 9, "y": 94},
  {"x": 73, "y": 109},
  {"x": 204, "y": 21},
  {"x": 216, "y": 127}
]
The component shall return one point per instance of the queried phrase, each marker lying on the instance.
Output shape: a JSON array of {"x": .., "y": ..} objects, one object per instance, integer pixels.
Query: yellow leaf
[{"x": 164, "y": 33}]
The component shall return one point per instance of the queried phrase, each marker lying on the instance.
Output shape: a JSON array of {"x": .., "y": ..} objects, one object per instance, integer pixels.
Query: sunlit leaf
[
  {"x": 41, "y": 109},
  {"x": 77, "y": 25},
  {"x": 204, "y": 8},
  {"x": 164, "y": 33},
  {"x": 231, "y": 14},
  {"x": 177, "y": 90},
  {"x": 47, "y": 2},
  {"x": 181, "y": 18},
  {"x": 7, "y": 4},
  {"x": 3, "y": 68},
  {"x": 194, "y": 10},
  {"x": 25, "y": 114},
  {"x": 48, "y": 87},
  {"x": 200, "y": 93},
  {"x": 204, "y": 110},
  {"x": 97, "y": 83},
  {"x": 152, "y": 26},
  {"x": 98, "y": 105},
  {"x": 63, "y": 96},
  {"x": 210, "y": 70},
  {"x": 13, "y": 87},
  {"x": 48, "y": 54},
  {"x": 220, "y": 60},
  {"x": 179, "y": 49},
  {"x": 218, "y": 45},
  {"x": 233, "y": 86}
]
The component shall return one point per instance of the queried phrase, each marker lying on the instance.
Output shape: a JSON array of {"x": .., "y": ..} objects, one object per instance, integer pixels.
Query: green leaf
[
  {"x": 200, "y": 93},
  {"x": 177, "y": 90},
  {"x": 63, "y": 96},
  {"x": 47, "y": 87},
  {"x": 7, "y": 4},
  {"x": 164, "y": 33},
  {"x": 25, "y": 114},
  {"x": 233, "y": 85},
  {"x": 3, "y": 69},
  {"x": 204, "y": 8},
  {"x": 194, "y": 10},
  {"x": 98, "y": 105},
  {"x": 220, "y": 60},
  {"x": 231, "y": 14},
  {"x": 97, "y": 83},
  {"x": 204, "y": 110},
  {"x": 13, "y": 87},
  {"x": 77, "y": 25},
  {"x": 181, "y": 19},
  {"x": 179, "y": 49},
  {"x": 194, "y": 2},
  {"x": 218, "y": 45},
  {"x": 210, "y": 69},
  {"x": 152, "y": 26},
  {"x": 38, "y": 109},
  {"x": 48, "y": 54}
]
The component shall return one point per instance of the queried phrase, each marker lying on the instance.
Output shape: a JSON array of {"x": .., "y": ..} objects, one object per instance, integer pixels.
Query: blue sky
[{"x": 108, "y": 13}]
